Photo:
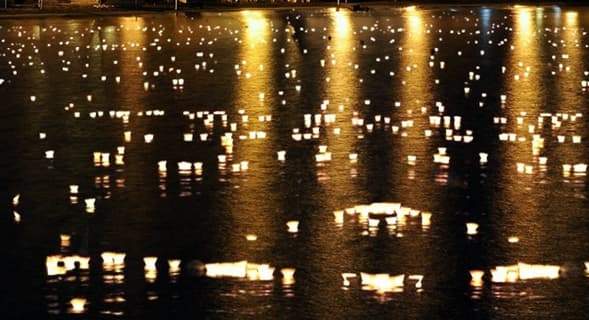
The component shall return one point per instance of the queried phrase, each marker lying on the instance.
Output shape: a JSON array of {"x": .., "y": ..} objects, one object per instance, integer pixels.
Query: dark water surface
[{"x": 360, "y": 103}]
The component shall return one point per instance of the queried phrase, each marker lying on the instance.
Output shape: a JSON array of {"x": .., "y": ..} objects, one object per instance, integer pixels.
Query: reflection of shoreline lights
[
  {"x": 255, "y": 22},
  {"x": 571, "y": 17},
  {"x": 342, "y": 23}
]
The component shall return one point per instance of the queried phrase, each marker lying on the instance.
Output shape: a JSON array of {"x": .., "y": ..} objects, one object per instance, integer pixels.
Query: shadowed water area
[{"x": 413, "y": 163}]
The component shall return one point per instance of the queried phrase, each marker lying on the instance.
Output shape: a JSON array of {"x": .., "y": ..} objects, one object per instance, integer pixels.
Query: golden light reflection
[
  {"x": 255, "y": 94},
  {"x": 570, "y": 73},
  {"x": 522, "y": 104},
  {"x": 415, "y": 99},
  {"x": 256, "y": 24},
  {"x": 414, "y": 82},
  {"x": 339, "y": 104},
  {"x": 342, "y": 24}
]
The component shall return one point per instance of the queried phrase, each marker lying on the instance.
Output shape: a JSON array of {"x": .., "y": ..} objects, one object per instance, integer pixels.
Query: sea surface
[{"x": 405, "y": 162}]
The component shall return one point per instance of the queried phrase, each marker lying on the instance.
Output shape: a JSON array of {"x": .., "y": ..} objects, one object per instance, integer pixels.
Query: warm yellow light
[
  {"x": 288, "y": 276},
  {"x": 293, "y": 226},
  {"x": 342, "y": 23},
  {"x": 78, "y": 305},
  {"x": 476, "y": 278},
  {"x": 382, "y": 282},
  {"x": 472, "y": 228},
  {"x": 255, "y": 22}
]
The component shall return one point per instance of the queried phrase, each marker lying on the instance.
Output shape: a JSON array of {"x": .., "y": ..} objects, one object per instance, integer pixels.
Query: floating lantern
[
  {"x": 513, "y": 239},
  {"x": 536, "y": 271},
  {"x": 293, "y": 226},
  {"x": 472, "y": 228},
  {"x": 148, "y": 138},
  {"x": 411, "y": 159},
  {"x": 287, "y": 276},
  {"x": 174, "y": 266},
  {"x": 64, "y": 240},
  {"x": 382, "y": 283},
  {"x": 426, "y": 218},
  {"x": 162, "y": 166},
  {"x": 476, "y": 278},
  {"x": 90, "y": 205},
  {"x": 580, "y": 168},
  {"x": 16, "y": 217},
  {"x": 110, "y": 259},
  {"x": 542, "y": 161},
  {"x": 339, "y": 217},
  {"x": 150, "y": 268},
  {"x": 373, "y": 223},
  {"x": 281, "y": 155},
  {"x": 150, "y": 263},
  {"x": 184, "y": 166},
  {"x": 78, "y": 305}
]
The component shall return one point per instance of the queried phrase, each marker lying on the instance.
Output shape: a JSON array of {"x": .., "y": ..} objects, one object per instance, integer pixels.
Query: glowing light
[
  {"x": 472, "y": 228},
  {"x": 523, "y": 271},
  {"x": 78, "y": 305},
  {"x": 240, "y": 269},
  {"x": 476, "y": 278},
  {"x": 293, "y": 226},
  {"x": 288, "y": 276},
  {"x": 112, "y": 259},
  {"x": 382, "y": 282}
]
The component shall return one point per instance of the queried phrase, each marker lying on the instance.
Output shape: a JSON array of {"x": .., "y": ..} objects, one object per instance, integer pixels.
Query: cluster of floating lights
[{"x": 448, "y": 127}]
